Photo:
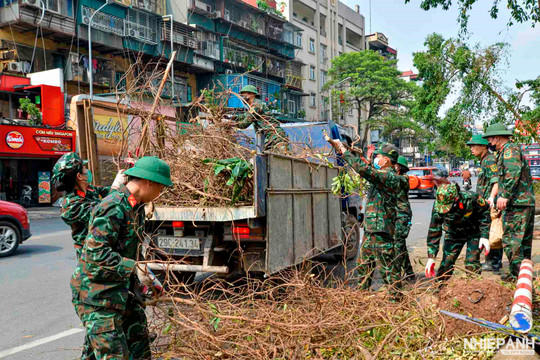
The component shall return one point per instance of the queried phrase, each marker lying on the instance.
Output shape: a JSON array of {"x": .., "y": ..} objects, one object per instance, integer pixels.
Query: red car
[
  {"x": 14, "y": 227},
  {"x": 455, "y": 173},
  {"x": 425, "y": 180}
]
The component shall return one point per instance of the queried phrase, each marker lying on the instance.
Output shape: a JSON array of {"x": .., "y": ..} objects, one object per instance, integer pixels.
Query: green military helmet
[
  {"x": 478, "y": 140},
  {"x": 151, "y": 168},
  {"x": 388, "y": 150},
  {"x": 250, "y": 89},
  {"x": 497, "y": 129},
  {"x": 402, "y": 160},
  {"x": 67, "y": 163},
  {"x": 446, "y": 196}
]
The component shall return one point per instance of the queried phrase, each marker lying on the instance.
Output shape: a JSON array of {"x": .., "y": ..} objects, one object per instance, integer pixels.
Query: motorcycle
[
  {"x": 467, "y": 184},
  {"x": 26, "y": 195}
]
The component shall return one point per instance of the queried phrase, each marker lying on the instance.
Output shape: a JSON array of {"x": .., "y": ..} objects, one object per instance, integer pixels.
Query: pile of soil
[{"x": 458, "y": 296}]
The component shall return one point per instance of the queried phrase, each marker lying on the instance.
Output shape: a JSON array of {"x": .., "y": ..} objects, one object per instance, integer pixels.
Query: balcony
[
  {"x": 141, "y": 26},
  {"x": 77, "y": 69},
  {"x": 248, "y": 60},
  {"x": 201, "y": 7},
  {"x": 181, "y": 34},
  {"x": 209, "y": 49},
  {"x": 293, "y": 76},
  {"x": 25, "y": 15}
]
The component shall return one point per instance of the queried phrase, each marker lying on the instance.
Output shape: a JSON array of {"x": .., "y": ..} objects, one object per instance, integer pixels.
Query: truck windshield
[{"x": 419, "y": 172}]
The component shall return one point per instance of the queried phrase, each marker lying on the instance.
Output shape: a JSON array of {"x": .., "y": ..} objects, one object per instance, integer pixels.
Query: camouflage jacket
[
  {"x": 471, "y": 218},
  {"x": 515, "y": 181},
  {"x": 380, "y": 213},
  {"x": 76, "y": 210},
  {"x": 259, "y": 115},
  {"x": 403, "y": 205},
  {"x": 488, "y": 175},
  {"x": 105, "y": 272}
]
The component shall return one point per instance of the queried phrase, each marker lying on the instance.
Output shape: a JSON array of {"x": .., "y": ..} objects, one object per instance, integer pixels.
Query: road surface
[{"x": 38, "y": 320}]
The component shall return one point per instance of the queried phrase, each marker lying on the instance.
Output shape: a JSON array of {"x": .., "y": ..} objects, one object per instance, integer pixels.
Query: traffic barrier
[{"x": 521, "y": 314}]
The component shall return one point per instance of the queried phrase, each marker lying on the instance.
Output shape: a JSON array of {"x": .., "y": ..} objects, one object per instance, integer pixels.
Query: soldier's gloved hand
[
  {"x": 484, "y": 243},
  {"x": 491, "y": 202},
  {"x": 430, "y": 268},
  {"x": 120, "y": 179},
  {"x": 148, "y": 279}
]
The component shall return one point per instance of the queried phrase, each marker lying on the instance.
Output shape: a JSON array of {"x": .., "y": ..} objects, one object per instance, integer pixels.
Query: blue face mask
[
  {"x": 89, "y": 176},
  {"x": 376, "y": 164}
]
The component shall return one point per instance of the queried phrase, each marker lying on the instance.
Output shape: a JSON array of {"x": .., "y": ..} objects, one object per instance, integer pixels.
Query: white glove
[
  {"x": 147, "y": 278},
  {"x": 120, "y": 179},
  {"x": 491, "y": 201},
  {"x": 484, "y": 243},
  {"x": 430, "y": 268}
]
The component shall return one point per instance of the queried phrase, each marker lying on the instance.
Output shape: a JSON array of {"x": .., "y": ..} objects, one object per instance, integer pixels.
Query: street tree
[
  {"x": 469, "y": 78},
  {"x": 521, "y": 11},
  {"x": 366, "y": 81}
]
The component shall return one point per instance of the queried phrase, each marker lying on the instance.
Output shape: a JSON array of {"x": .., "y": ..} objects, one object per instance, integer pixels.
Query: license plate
[{"x": 182, "y": 243}]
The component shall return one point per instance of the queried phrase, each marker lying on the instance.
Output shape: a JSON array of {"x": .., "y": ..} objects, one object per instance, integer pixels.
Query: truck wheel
[
  {"x": 351, "y": 235},
  {"x": 9, "y": 238},
  {"x": 433, "y": 194}
]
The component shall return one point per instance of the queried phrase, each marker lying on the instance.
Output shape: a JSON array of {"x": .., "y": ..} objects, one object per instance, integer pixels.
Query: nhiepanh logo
[{"x": 14, "y": 139}]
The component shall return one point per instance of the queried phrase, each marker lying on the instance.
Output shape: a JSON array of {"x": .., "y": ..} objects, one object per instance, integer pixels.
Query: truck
[{"x": 294, "y": 217}]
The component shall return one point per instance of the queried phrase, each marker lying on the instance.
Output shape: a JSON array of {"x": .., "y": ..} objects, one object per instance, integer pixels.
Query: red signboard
[{"x": 28, "y": 141}]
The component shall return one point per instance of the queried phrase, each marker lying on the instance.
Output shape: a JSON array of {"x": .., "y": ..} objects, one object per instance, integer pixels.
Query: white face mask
[{"x": 376, "y": 163}]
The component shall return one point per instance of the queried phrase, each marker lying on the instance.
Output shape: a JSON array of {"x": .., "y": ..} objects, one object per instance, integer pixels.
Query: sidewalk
[{"x": 41, "y": 213}]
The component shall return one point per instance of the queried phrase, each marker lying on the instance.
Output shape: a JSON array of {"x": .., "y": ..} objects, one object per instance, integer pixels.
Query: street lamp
[
  {"x": 170, "y": 18},
  {"x": 331, "y": 87},
  {"x": 90, "y": 66}
]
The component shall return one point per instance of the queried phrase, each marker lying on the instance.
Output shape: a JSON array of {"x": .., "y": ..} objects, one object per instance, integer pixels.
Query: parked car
[
  {"x": 425, "y": 180},
  {"x": 535, "y": 172},
  {"x": 14, "y": 227},
  {"x": 455, "y": 173}
]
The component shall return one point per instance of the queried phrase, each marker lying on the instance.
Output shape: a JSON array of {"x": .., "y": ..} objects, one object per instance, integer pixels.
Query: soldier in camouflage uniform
[
  {"x": 403, "y": 221},
  {"x": 275, "y": 138},
  {"x": 108, "y": 275},
  {"x": 71, "y": 176},
  {"x": 380, "y": 214},
  {"x": 515, "y": 196},
  {"x": 464, "y": 217},
  {"x": 487, "y": 187}
]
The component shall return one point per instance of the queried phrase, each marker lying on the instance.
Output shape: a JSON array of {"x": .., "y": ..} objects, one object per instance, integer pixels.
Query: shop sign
[
  {"x": 14, "y": 139},
  {"x": 44, "y": 186},
  {"x": 47, "y": 143},
  {"x": 108, "y": 127}
]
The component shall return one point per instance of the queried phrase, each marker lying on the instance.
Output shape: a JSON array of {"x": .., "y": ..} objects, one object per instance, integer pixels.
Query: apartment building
[{"x": 329, "y": 28}]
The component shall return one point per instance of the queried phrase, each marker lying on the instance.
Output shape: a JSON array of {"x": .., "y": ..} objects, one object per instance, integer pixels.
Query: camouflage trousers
[
  {"x": 453, "y": 243},
  {"x": 112, "y": 334},
  {"x": 403, "y": 261},
  {"x": 518, "y": 225},
  {"x": 378, "y": 247}
]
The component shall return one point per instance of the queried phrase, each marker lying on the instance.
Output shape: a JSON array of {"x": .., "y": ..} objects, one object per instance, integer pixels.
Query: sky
[{"x": 407, "y": 26}]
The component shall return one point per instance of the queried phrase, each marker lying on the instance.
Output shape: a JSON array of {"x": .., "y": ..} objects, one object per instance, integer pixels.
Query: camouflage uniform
[
  {"x": 465, "y": 223},
  {"x": 403, "y": 226},
  {"x": 76, "y": 209},
  {"x": 515, "y": 184},
  {"x": 104, "y": 282},
  {"x": 487, "y": 177},
  {"x": 379, "y": 223},
  {"x": 275, "y": 138}
]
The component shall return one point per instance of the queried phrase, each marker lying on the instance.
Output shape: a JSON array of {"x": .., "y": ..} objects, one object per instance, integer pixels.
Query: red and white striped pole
[{"x": 521, "y": 314}]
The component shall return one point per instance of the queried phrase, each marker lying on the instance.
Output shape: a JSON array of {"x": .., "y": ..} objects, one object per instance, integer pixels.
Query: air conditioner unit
[
  {"x": 15, "y": 66},
  {"x": 227, "y": 15},
  {"x": 73, "y": 57},
  {"x": 31, "y": 2},
  {"x": 217, "y": 13}
]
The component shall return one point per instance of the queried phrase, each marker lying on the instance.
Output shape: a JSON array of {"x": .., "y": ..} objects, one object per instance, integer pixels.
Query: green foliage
[
  {"x": 364, "y": 79},
  {"x": 520, "y": 10},
  {"x": 345, "y": 184},
  {"x": 238, "y": 169},
  {"x": 32, "y": 110},
  {"x": 263, "y": 5}
]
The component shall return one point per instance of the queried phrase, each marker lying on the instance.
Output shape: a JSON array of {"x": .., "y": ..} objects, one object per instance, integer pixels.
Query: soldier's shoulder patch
[
  {"x": 468, "y": 214},
  {"x": 494, "y": 167},
  {"x": 508, "y": 154},
  {"x": 481, "y": 201}
]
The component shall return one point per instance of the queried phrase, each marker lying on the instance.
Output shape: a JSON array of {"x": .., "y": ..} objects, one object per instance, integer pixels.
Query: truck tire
[
  {"x": 433, "y": 194},
  {"x": 351, "y": 236},
  {"x": 10, "y": 237}
]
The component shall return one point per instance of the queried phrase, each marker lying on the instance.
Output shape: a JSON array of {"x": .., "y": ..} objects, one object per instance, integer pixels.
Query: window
[
  {"x": 312, "y": 72},
  {"x": 312, "y": 100},
  {"x": 292, "y": 107},
  {"x": 189, "y": 96},
  {"x": 299, "y": 39},
  {"x": 323, "y": 77},
  {"x": 324, "y": 56},
  {"x": 312, "y": 45}
]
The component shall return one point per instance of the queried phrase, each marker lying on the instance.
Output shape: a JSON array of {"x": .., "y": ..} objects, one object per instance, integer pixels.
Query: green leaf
[
  {"x": 218, "y": 169},
  {"x": 167, "y": 329}
]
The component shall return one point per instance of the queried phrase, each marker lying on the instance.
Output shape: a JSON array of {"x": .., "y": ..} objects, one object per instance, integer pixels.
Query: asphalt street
[{"x": 38, "y": 320}]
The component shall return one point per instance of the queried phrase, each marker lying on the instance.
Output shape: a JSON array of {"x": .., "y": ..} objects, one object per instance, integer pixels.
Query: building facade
[{"x": 329, "y": 28}]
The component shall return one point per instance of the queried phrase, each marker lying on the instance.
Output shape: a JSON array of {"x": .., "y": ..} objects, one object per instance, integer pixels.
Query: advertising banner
[
  {"x": 44, "y": 186},
  {"x": 29, "y": 141}
]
